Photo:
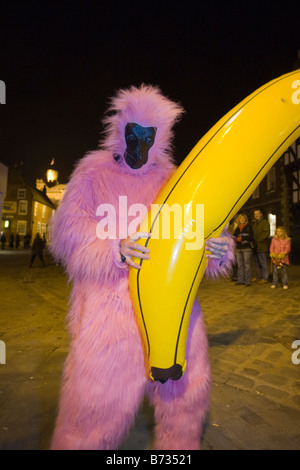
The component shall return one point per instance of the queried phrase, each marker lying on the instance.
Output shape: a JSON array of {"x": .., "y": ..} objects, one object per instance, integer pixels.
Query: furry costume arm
[
  {"x": 222, "y": 267},
  {"x": 74, "y": 241}
]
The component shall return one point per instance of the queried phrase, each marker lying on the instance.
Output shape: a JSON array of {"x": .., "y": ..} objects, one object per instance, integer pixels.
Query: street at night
[{"x": 255, "y": 401}]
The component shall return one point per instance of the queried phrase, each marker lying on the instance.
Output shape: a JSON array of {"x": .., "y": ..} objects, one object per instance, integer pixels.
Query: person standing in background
[
  {"x": 37, "y": 250},
  {"x": 231, "y": 229},
  {"x": 244, "y": 237},
  {"x": 279, "y": 251},
  {"x": 3, "y": 240},
  {"x": 261, "y": 234}
]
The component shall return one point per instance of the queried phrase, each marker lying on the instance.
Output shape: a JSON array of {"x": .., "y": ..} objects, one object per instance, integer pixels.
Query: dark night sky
[{"x": 61, "y": 61}]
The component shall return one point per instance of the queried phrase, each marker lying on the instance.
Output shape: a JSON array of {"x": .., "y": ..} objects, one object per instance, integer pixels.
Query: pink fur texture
[
  {"x": 216, "y": 267},
  {"x": 104, "y": 378}
]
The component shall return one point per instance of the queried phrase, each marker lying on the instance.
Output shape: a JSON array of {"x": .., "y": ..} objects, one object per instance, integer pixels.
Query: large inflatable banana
[{"x": 206, "y": 191}]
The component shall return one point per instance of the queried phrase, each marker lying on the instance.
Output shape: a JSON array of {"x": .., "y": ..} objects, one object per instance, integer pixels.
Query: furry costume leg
[
  {"x": 101, "y": 425},
  {"x": 104, "y": 377},
  {"x": 181, "y": 406}
]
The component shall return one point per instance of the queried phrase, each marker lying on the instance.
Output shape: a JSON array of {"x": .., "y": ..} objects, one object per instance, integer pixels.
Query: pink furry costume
[{"x": 104, "y": 379}]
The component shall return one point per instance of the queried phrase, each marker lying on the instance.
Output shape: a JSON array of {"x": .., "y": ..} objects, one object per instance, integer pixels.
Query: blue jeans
[
  {"x": 283, "y": 272},
  {"x": 243, "y": 259},
  {"x": 261, "y": 263}
]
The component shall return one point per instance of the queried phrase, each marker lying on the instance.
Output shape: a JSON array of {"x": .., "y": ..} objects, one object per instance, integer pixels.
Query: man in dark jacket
[
  {"x": 261, "y": 233},
  {"x": 37, "y": 249},
  {"x": 3, "y": 240}
]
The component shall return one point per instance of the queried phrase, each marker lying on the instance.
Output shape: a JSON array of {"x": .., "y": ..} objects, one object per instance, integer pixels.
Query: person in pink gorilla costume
[{"x": 104, "y": 377}]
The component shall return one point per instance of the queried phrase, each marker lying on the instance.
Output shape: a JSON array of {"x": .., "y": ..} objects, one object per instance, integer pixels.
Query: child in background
[{"x": 279, "y": 249}]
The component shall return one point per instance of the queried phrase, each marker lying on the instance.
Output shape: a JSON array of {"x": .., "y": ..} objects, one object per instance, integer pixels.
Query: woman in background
[{"x": 244, "y": 239}]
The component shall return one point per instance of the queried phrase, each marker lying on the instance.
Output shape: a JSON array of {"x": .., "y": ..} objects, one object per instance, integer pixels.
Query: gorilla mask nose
[{"x": 139, "y": 140}]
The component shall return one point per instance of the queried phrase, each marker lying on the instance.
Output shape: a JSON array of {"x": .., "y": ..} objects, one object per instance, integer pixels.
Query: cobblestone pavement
[{"x": 255, "y": 402}]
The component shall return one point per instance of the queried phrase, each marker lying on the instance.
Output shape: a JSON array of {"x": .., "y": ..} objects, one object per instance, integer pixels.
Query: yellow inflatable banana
[{"x": 206, "y": 191}]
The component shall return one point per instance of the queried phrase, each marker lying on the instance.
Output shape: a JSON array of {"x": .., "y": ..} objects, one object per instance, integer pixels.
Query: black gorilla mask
[{"x": 139, "y": 140}]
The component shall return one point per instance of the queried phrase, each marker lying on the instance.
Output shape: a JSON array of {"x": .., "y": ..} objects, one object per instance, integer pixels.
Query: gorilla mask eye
[{"x": 139, "y": 140}]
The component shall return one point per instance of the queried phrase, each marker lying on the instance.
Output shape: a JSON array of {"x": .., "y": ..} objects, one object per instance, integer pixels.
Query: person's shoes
[
  {"x": 285, "y": 287},
  {"x": 253, "y": 279},
  {"x": 273, "y": 286},
  {"x": 262, "y": 281}
]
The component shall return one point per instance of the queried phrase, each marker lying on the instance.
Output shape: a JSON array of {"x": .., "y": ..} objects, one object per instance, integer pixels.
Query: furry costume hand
[
  {"x": 129, "y": 248},
  {"x": 220, "y": 263},
  {"x": 217, "y": 247}
]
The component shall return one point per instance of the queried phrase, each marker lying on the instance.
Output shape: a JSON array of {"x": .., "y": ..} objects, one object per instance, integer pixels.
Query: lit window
[
  {"x": 272, "y": 222},
  {"x": 21, "y": 227},
  {"x": 21, "y": 193},
  {"x": 36, "y": 208},
  {"x": 44, "y": 211},
  {"x": 23, "y": 207}
]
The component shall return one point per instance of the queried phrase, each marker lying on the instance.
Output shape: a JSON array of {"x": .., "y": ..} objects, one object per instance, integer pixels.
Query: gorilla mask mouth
[{"x": 139, "y": 140}]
